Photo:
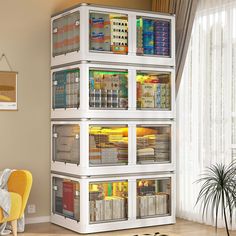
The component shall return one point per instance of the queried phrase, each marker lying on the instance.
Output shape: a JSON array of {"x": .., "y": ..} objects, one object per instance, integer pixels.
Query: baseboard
[{"x": 35, "y": 220}]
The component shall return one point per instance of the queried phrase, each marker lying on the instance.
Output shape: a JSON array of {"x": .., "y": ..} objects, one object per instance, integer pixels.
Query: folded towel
[{"x": 5, "y": 199}]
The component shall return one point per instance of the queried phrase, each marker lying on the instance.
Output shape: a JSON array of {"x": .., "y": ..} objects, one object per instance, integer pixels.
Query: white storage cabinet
[
  {"x": 113, "y": 135},
  {"x": 112, "y": 91},
  {"x": 97, "y": 204},
  {"x": 94, "y": 33},
  {"x": 112, "y": 147}
]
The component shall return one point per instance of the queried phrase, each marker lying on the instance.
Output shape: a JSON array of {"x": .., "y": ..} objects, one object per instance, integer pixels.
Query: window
[{"x": 206, "y": 102}]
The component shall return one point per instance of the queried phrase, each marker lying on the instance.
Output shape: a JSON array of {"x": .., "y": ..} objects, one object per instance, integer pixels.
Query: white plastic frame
[
  {"x": 131, "y": 58},
  {"x": 132, "y": 222},
  {"x": 84, "y": 169},
  {"x": 132, "y": 112}
]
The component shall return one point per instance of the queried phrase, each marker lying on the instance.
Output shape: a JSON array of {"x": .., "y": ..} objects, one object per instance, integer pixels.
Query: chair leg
[{"x": 14, "y": 227}]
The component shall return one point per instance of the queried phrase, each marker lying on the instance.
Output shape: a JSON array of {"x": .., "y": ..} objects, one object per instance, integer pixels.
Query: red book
[{"x": 68, "y": 198}]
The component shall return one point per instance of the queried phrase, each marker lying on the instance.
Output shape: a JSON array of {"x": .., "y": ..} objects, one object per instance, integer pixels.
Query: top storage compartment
[
  {"x": 108, "y": 32},
  {"x": 92, "y": 33}
]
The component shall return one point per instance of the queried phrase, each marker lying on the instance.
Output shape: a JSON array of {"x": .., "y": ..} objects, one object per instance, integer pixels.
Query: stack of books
[
  {"x": 95, "y": 156},
  {"x": 67, "y": 198},
  {"x": 153, "y": 148},
  {"x": 110, "y": 208},
  {"x": 151, "y": 205},
  {"x": 146, "y": 155},
  {"x": 108, "y": 146},
  {"x": 109, "y": 155}
]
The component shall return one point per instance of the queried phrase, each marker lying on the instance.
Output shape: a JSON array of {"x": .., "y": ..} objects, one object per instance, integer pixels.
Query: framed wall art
[{"x": 8, "y": 90}]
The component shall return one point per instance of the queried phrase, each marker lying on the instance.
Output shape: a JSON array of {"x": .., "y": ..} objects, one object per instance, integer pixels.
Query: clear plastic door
[
  {"x": 66, "y": 143},
  {"x": 153, "y": 90},
  {"x": 66, "y": 89},
  {"x": 108, "y": 89},
  {"x": 153, "y": 37},
  {"x": 108, "y": 145},
  {"x": 153, "y": 144},
  {"x": 108, "y": 32},
  {"x": 153, "y": 197},
  {"x": 66, "y": 198},
  {"x": 66, "y": 34},
  {"x": 108, "y": 201}
]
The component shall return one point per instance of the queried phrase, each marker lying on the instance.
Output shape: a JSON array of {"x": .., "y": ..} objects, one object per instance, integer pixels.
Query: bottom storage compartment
[
  {"x": 108, "y": 201},
  {"x": 96, "y": 204}
]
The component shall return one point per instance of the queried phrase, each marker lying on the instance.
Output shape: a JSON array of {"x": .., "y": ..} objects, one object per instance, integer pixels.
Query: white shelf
[
  {"x": 84, "y": 54},
  {"x": 84, "y": 225},
  {"x": 101, "y": 134},
  {"x": 83, "y": 167},
  {"x": 131, "y": 112}
]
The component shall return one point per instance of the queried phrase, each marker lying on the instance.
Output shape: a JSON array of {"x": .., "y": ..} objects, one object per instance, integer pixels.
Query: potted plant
[{"x": 218, "y": 192}]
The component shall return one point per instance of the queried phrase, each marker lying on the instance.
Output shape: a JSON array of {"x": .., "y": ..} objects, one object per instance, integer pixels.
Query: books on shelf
[
  {"x": 110, "y": 208},
  {"x": 153, "y": 148},
  {"x": 95, "y": 156},
  {"x": 143, "y": 205},
  {"x": 161, "y": 204},
  {"x": 108, "y": 146},
  {"x": 68, "y": 198},
  {"x": 150, "y": 205}
]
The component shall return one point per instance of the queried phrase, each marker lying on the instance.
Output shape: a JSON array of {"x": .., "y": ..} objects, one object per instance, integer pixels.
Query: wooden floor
[{"x": 182, "y": 227}]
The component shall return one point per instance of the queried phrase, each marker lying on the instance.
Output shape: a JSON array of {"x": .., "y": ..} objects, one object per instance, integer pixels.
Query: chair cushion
[
  {"x": 20, "y": 181},
  {"x": 16, "y": 204}
]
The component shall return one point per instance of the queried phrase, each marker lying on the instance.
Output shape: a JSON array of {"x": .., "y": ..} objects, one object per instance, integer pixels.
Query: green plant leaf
[{"x": 218, "y": 192}]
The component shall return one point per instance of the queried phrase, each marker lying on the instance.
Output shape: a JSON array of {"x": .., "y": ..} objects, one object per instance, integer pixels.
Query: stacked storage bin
[{"x": 112, "y": 119}]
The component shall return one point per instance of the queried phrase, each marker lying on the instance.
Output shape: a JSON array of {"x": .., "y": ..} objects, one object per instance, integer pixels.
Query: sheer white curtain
[{"x": 206, "y": 100}]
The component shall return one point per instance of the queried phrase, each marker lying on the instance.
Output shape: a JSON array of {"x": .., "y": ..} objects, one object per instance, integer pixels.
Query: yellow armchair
[{"x": 19, "y": 186}]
